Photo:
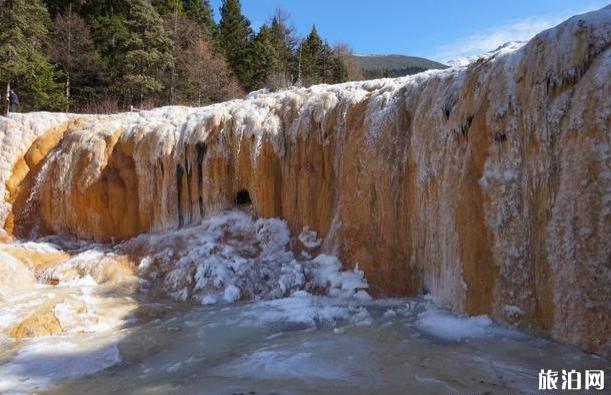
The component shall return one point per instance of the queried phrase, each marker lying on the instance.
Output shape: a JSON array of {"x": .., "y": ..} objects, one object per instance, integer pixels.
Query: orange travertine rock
[
  {"x": 42, "y": 322},
  {"x": 486, "y": 186}
]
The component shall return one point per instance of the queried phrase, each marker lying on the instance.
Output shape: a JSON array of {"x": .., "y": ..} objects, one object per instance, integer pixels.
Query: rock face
[{"x": 487, "y": 186}]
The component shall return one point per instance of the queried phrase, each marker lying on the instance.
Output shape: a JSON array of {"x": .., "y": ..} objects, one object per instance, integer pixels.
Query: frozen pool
[{"x": 298, "y": 345}]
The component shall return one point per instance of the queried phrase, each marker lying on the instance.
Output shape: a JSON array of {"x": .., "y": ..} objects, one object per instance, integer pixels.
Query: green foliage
[
  {"x": 111, "y": 33},
  {"x": 62, "y": 6},
  {"x": 168, "y": 7},
  {"x": 154, "y": 51},
  {"x": 235, "y": 36},
  {"x": 147, "y": 51},
  {"x": 201, "y": 12},
  {"x": 310, "y": 57},
  {"x": 340, "y": 70},
  {"x": 265, "y": 58},
  {"x": 39, "y": 87},
  {"x": 23, "y": 63},
  {"x": 319, "y": 64},
  {"x": 95, "y": 8},
  {"x": 285, "y": 44}
]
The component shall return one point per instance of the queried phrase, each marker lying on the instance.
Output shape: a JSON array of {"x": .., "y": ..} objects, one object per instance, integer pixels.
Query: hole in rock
[
  {"x": 500, "y": 137},
  {"x": 242, "y": 198}
]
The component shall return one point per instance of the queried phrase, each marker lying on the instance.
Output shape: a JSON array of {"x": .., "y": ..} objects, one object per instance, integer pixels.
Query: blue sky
[{"x": 441, "y": 30}]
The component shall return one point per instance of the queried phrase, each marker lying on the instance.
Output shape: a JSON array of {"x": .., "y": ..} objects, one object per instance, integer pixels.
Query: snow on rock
[
  {"x": 15, "y": 276},
  {"x": 328, "y": 275},
  {"x": 232, "y": 256},
  {"x": 467, "y": 60},
  {"x": 17, "y": 134},
  {"x": 309, "y": 238}
]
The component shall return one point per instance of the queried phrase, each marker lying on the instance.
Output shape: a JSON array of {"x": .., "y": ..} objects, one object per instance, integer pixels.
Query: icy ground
[{"x": 239, "y": 305}]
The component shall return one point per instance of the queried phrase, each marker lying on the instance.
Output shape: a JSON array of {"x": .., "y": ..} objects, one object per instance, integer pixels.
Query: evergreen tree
[
  {"x": 110, "y": 34},
  {"x": 284, "y": 42},
  {"x": 173, "y": 12},
  {"x": 319, "y": 63},
  {"x": 265, "y": 58},
  {"x": 340, "y": 70},
  {"x": 153, "y": 49},
  {"x": 331, "y": 69},
  {"x": 201, "y": 12},
  {"x": 235, "y": 37},
  {"x": 62, "y": 6},
  {"x": 94, "y": 8},
  {"x": 168, "y": 7},
  {"x": 23, "y": 37},
  {"x": 310, "y": 58},
  {"x": 147, "y": 56}
]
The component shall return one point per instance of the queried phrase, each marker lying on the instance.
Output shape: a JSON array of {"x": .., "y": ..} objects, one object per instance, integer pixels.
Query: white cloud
[{"x": 484, "y": 41}]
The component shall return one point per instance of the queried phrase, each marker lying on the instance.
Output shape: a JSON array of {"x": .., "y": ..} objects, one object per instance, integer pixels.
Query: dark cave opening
[{"x": 242, "y": 198}]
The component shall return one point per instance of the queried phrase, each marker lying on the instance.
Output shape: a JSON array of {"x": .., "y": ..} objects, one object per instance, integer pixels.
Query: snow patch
[
  {"x": 309, "y": 238},
  {"x": 232, "y": 256},
  {"x": 446, "y": 326},
  {"x": 44, "y": 361}
]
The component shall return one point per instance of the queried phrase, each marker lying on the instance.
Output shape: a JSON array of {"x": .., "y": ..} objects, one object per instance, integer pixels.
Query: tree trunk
[
  {"x": 299, "y": 68},
  {"x": 173, "y": 67},
  {"x": 68, "y": 91},
  {"x": 69, "y": 60}
]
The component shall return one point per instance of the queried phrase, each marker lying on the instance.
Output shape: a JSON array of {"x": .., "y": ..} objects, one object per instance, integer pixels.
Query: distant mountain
[
  {"x": 379, "y": 66},
  {"x": 509, "y": 46}
]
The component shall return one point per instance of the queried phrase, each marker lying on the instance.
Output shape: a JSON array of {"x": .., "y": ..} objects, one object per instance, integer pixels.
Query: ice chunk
[
  {"x": 232, "y": 294},
  {"x": 444, "y": 325},
  {"x": 328, "y": 274},
  {"x": 309, "y": 238}
]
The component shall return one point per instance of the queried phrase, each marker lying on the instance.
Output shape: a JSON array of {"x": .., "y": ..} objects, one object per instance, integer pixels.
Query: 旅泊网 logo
[{"x": 571, "y": 380}]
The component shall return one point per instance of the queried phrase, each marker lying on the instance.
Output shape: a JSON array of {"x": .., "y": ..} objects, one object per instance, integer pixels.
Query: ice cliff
[{"x": 487, "y": 186}]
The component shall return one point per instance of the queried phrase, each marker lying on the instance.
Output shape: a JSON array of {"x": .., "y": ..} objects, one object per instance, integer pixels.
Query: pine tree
[
  {"x": 148, "y": 51},
  {"x": 23, "y": 37},
  {"x": 235, "y": 37},
  {"x": 331, "y": 69},
  {"x": 319, "y": 63},
  {"x": 284, "y": 43},
  {"x": 173, "y": 13},
  {"x": 265, "y": 58},
  {"x": 168, "y": 7},
  {"x": 91, "y": 8},
  {"x": 110, "y": 34},
  {"x": 201, "y": 12},
  {"x": 310, "y": 58},
  {"x": 340, "y": 70}
]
